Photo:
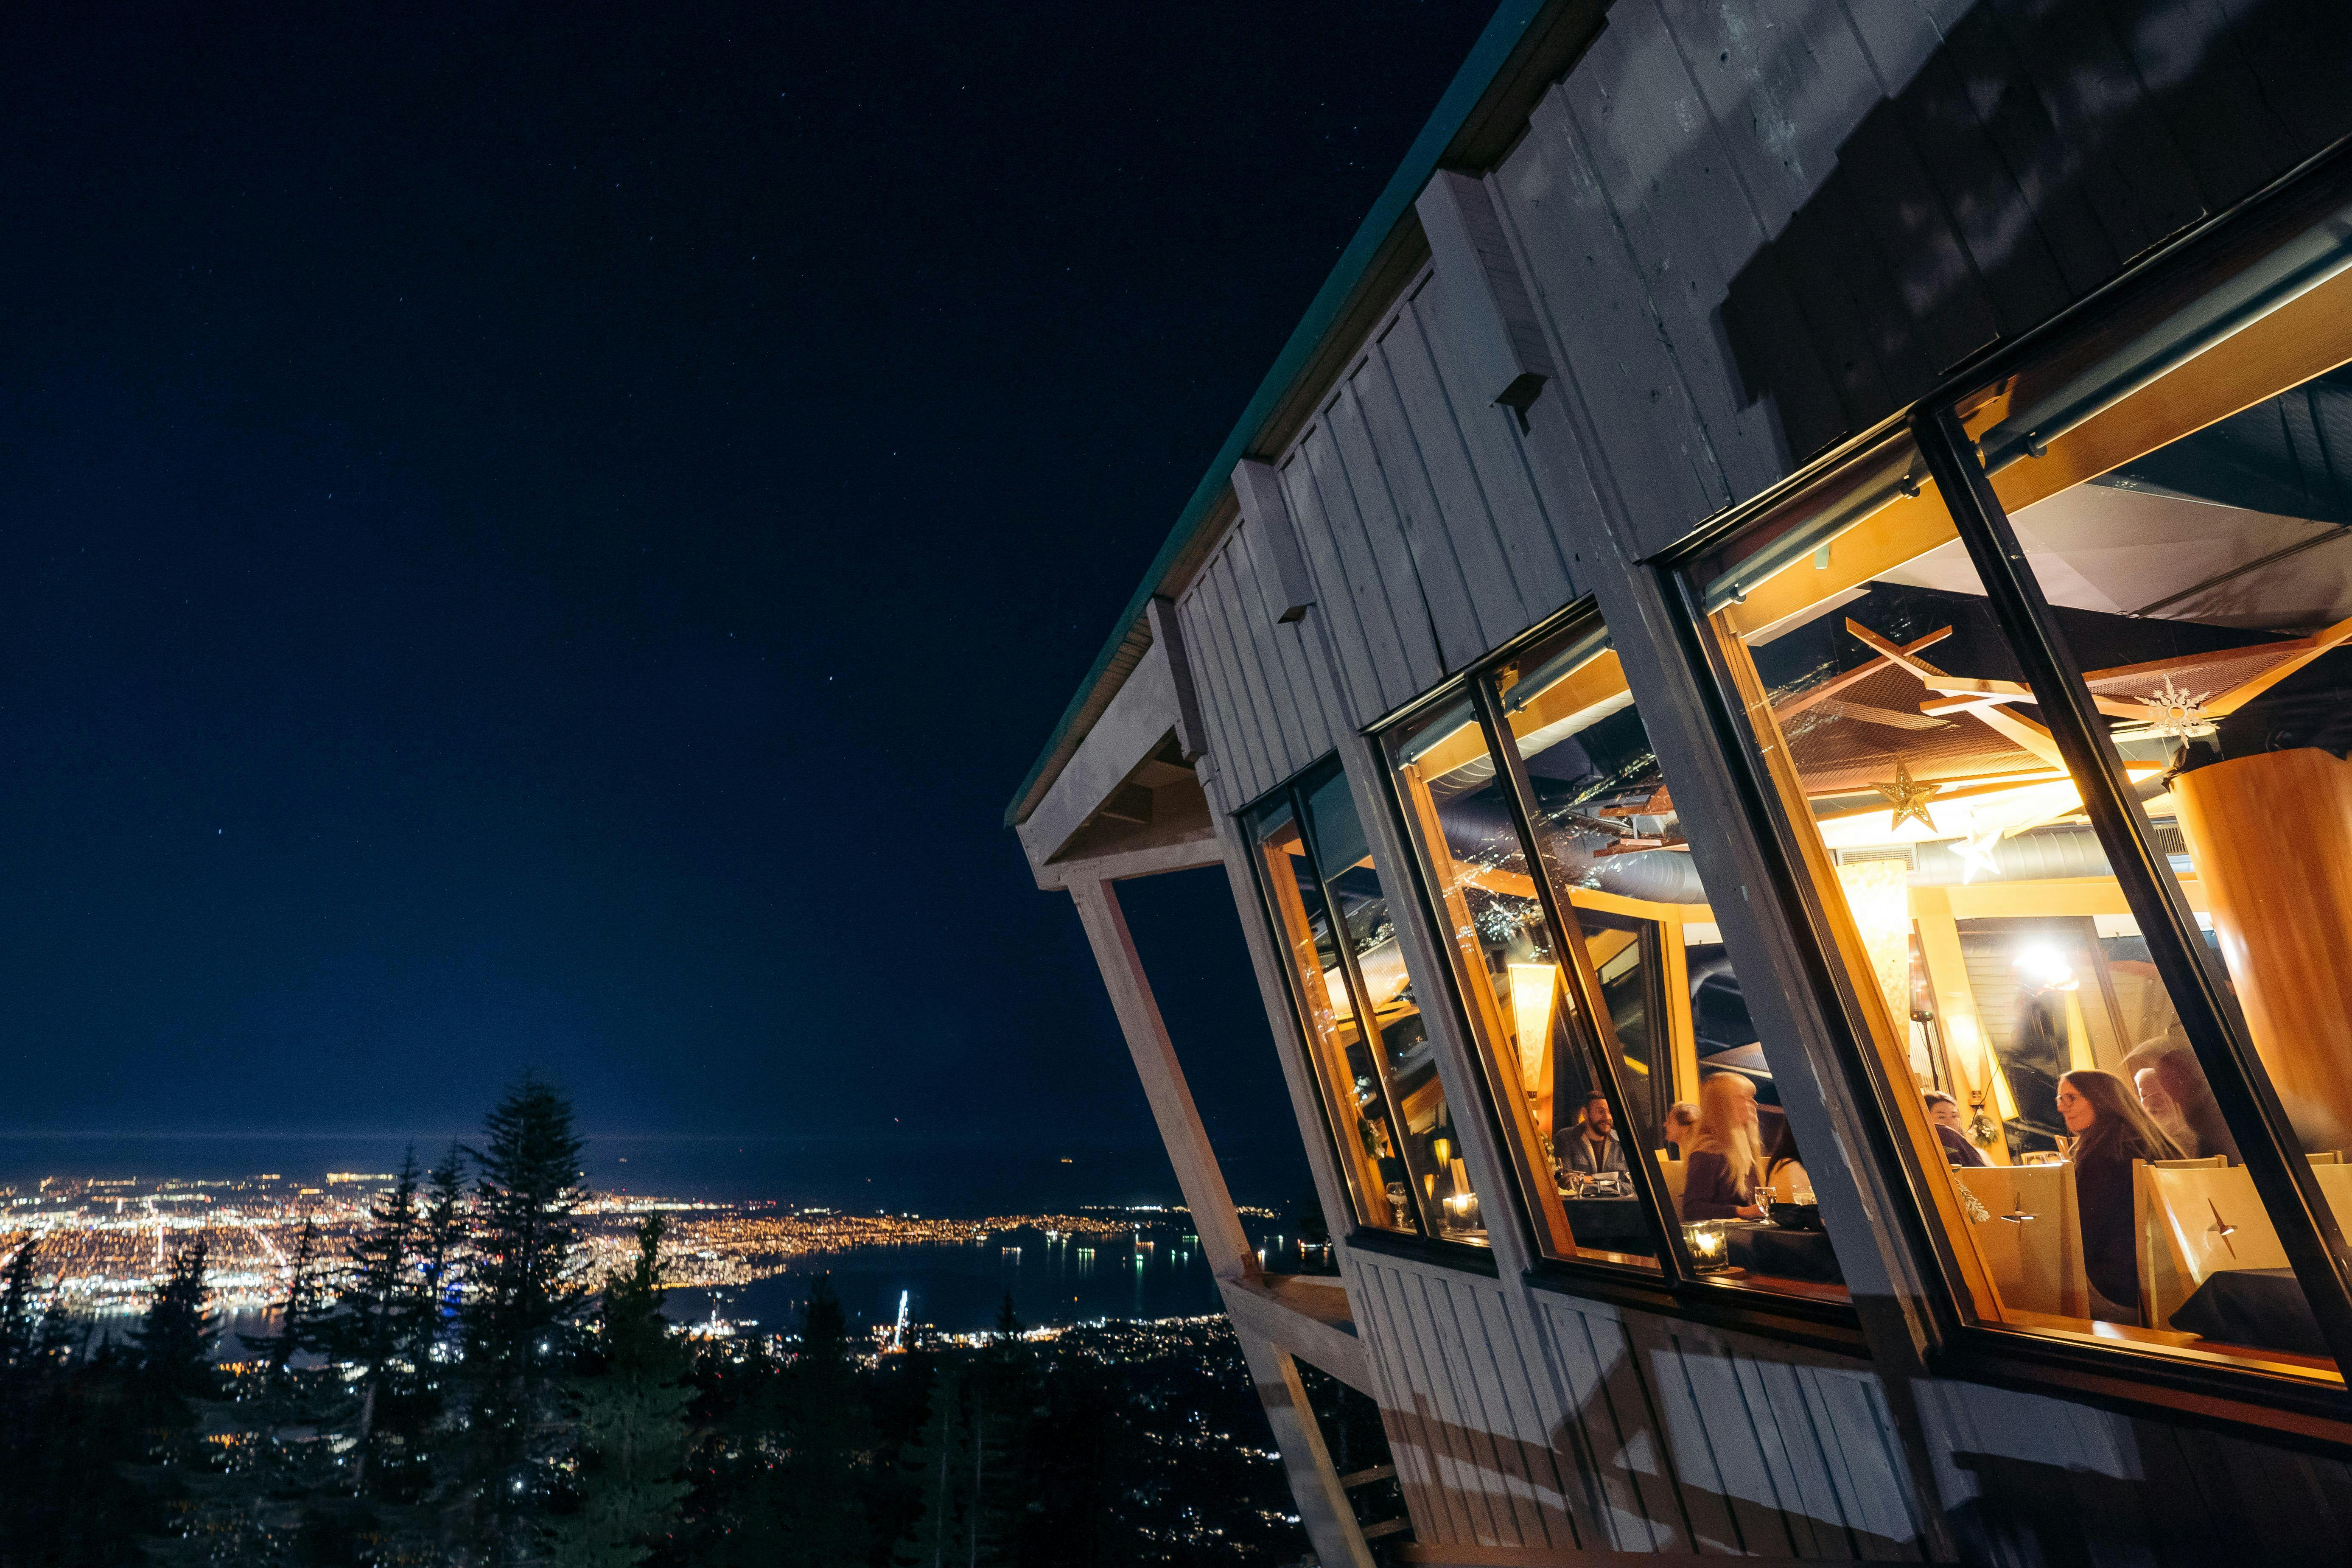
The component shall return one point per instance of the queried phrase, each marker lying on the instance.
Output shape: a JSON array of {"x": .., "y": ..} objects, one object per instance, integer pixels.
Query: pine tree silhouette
[
  {"x": 517, "y": 1315},
  {"x": 631, "y": 1421},
  {"x": 18, "y": 1327},
  {"x": 173, "y": 1341}
]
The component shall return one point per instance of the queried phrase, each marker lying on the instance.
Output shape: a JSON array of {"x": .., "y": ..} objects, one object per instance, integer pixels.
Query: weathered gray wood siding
[
  {"x": 1264, "y": 695},
  {"x": 1758, "y": 226},
  {"x": 1427, "y": 543},
  {"x": 1583, "y": 1428}
]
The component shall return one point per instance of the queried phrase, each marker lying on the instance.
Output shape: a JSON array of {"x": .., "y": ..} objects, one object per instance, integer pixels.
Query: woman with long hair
[
  {"x": 2110, "y": 1131},
  {"x": 1726, "y": 1157}
]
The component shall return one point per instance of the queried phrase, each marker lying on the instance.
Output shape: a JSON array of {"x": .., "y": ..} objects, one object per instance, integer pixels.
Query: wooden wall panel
[
  {"x": 1456, "y": 1393},
  {"x": 1263, "y": 698},
  {"x": 2034, "y": 1479},
  {"x": 1709, "y": 1442},
  {"x": 1755, "y": 228}
]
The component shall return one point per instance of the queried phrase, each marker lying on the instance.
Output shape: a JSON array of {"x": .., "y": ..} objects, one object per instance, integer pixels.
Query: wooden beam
[
  {"x": 1168, "y": 637},
  {"x": 1214, "y": 1220},
  {"x": 1308, "y": 1318},
  {"x": 1188, "y": 854},
  {"x": 1273, "y": 541},
  {"x": 1324, "y": 1510}
]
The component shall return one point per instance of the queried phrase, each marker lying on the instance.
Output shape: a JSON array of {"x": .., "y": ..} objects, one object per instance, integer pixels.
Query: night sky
[{"x": 545, "y": 537}]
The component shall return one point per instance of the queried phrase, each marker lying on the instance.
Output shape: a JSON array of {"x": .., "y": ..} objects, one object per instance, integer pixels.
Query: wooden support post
[
  {"x": 1230, "y": 1255},
  {"x": 1323, "y": 1506}
]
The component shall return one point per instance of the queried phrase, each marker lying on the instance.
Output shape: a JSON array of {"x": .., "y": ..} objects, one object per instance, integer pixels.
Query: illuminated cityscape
[{"x": 104, "y": 1243}]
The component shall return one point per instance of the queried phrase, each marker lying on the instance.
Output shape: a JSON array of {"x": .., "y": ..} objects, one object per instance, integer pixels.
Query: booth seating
[
  {"x": 2033, "y": 1243},
  {"x": 1674, "y": 1172},
  {"x": 2328, "y": 1157},
  {"x": 2197, "y": 1220}
]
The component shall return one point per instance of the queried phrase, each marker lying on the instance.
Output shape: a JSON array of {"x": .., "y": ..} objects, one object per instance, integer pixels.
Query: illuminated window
[
  {"x": 1535, "y": 801},
  {"x": 2180, "y": 500},
  {"x": 1394, "y": 1135}
]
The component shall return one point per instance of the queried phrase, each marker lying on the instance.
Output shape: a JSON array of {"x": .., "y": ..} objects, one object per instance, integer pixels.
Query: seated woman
[
  {"x": 1944, "y": 1114},
  {"x": 1681, "y": 1129},
  {"x": 1725, "y": 1156},
  {"x": 2110, "y": 1131}
]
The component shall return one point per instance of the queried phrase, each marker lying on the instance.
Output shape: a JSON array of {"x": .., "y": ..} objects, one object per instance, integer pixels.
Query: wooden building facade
[{"x": 1795, "y": 568}]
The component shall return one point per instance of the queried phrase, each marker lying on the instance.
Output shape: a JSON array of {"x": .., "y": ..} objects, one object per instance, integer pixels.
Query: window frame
[
  {"x": 2108, "y": 1372},
  {"x": 1419, "y": 1242},
  {"x": 1673, "y": 1288}
]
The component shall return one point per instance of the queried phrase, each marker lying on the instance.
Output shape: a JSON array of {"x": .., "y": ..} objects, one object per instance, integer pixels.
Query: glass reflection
[{"x": 1370, "y": 1046}]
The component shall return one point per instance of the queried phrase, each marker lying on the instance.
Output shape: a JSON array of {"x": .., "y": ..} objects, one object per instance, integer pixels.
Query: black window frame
[
  {"x": 2110, "y": 1373},
  {"x": 1675, "y": 1288},
  {"x": 1421, "y": 1242}
]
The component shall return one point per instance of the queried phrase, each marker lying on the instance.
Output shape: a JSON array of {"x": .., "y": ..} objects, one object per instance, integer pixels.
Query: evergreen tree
[
  {"x": 174, "y": 1340},
  {"x": 516, "y": 1317},
  {"x": 809, "y": 1509},
  {"x": 19, "y": 1327},
  {"x": 631, "y": 1423},
  {"x": 441, "y": 1238},
  {"x": 302, "y": 1310},
  {"x": 375, "y": 1303}
]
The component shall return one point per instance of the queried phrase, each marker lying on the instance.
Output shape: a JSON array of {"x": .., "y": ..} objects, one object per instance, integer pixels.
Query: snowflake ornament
[{"x": 2173, "y": 711}]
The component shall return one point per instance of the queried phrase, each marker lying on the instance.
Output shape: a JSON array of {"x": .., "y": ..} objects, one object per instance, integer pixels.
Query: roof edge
[{"x": 1512, "y": 38}]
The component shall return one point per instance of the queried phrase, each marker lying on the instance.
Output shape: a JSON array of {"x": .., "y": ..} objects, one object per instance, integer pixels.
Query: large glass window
[
  {"x": 1367, "y": 1043},
  {"x": 1634, "y": 1088},
  {"x": 2180, "y": 501}
]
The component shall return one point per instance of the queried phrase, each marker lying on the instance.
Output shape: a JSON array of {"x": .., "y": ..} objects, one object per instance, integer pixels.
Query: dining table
[
  {"x": 1609, "y": 1224},
  {"x": 1762, "y": 1247},
  {"x": 2261, "y": 1308}
]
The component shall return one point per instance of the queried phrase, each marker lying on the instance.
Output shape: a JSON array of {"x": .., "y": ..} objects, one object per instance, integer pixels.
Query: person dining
[
  {"x": 1725, "y": 1155},
  {"x": 1681, "y": 1129},
  {"x": 1592, "y": 1145},
  {"x": 1944, "y": 1115},
  {"x": 2110, "y": 1129},
  {"x": 2173, "y": 1091}
]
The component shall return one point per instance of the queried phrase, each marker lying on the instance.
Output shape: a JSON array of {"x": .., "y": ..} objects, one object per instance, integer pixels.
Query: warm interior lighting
[
  {"x": 1878, "y": 893},
  {"x": 1709, "y": 1248},
  {"x": 1441, "y": 1149},
  {"x": 1534, "y": 990},
  {"x": 2046, "y": 966}
]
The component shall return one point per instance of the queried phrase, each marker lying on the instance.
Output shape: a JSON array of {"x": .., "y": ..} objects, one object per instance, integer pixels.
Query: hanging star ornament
[
  {"x": 2173, "y": 711},
  {"x": 1909, "y": 798},
  {"x": 1976, "y": 853}
]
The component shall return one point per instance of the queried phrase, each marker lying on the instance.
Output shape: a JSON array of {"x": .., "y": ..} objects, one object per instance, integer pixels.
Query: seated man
[{"x": 1592, "y": 1145}]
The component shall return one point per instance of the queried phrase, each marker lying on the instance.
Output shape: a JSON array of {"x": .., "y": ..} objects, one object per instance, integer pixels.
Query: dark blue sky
[{"x": 542, "y": 539}]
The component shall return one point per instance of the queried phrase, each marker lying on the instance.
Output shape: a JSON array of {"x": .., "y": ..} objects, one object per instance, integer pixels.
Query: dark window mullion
[
  {"x": 1368, "y": 1027},
  {"x": 2283, "y": 1176},
  {"x": 1304, "y": 1013},
  {"x": 1598, "y": 1027}
]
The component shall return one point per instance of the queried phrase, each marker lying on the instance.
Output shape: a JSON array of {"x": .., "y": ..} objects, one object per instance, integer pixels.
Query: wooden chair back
[
  {"x": 2214, "y": 1162},
  {"x": 2212, "y": 1221},
  {"x": 2335, "y": 1185},
  {"x": 2033, "y": 1243},
  {"x": 2328, "y": 1157},
  {"x": 1674, "y": 1171}
]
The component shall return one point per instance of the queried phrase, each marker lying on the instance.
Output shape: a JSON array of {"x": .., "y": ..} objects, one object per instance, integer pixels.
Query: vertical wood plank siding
[
  {"x": 1421, "y": 525},
  {"x": 1670, "y": 1438},
  {"x": 1756, "y": 228}
]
